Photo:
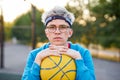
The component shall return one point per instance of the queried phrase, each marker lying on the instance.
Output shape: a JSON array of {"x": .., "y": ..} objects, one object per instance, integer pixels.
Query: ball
[{"x": 58, "y": 68}]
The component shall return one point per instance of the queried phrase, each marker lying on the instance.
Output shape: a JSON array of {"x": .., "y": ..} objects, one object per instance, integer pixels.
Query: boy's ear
[
  {"x": 70, "y": 33},
  {"x": 46, "y": 33}
]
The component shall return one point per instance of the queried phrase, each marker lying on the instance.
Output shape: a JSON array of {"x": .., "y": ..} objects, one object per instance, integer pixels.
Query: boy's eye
[
  {"x": 63, "y": 26},
  {"x": 51, "y": 27}
]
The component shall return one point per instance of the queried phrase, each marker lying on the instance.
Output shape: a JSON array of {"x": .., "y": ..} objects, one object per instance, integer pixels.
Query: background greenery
[{"x": 100, "y": 28}]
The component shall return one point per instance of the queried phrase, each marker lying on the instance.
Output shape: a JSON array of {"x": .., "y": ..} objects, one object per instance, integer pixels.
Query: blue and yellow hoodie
[{"x": 84, "y": 66}]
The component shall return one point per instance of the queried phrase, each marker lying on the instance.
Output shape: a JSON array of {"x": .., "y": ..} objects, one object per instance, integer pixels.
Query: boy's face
[{"x": 58, "y": 31}]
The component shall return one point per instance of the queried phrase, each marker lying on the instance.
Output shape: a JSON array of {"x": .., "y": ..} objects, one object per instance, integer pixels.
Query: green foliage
[
  {"x": 22, "y": 29},
  {"x": 24, "y": 19},
  {"x": 8, "y": 33},
  {"x": 108, "y": 22},
  {"x": 76, "y": 37},
  {"x": 83, "y": 33},
  {"x": 104, "y": 30},
  {"x": 22, "y": 33}
]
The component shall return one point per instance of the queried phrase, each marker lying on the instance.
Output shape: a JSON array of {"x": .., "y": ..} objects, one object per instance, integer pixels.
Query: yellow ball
[{"x": 58, "y": 68}]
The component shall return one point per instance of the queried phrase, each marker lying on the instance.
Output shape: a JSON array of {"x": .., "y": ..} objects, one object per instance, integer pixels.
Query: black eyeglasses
[{"x": 53, "y": 28}]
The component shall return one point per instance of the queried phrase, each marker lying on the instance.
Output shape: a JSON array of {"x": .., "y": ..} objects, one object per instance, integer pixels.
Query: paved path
[
  {"x": 15, "y": 57},
  {"x": 106, "y": 70},
  {"x": 16, "y": 54}
]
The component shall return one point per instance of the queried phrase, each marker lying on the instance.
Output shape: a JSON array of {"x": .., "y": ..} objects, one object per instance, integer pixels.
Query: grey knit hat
[{"x": 58, "y": 13}]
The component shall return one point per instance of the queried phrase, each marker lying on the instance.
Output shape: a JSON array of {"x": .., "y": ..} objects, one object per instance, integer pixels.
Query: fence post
[
  {"x": 33, "y": 8},
  {"x": 1, "y": 40}
]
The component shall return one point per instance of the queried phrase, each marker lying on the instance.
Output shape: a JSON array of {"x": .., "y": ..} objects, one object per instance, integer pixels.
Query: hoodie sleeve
[
  {"x": 31, "y": 70},
  {"x": 84, "y": 66}
]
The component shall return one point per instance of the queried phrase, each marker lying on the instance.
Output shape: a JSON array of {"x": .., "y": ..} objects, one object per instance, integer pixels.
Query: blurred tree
[
  {"x": 107, "y": 22},
  {"x": 22, "y": 27},
  {"x": 101, "y": 25},
  {"x": 83, "y": 30}
]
